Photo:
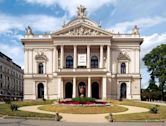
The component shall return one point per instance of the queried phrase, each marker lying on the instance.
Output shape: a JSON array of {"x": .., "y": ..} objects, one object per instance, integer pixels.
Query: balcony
[{"x": 82, "y": 71}]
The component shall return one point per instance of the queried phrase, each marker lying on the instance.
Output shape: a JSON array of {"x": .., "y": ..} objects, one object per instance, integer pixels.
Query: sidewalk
[
  {"x": 155, "y": 103},
  {"x": 93, "y": 118}
]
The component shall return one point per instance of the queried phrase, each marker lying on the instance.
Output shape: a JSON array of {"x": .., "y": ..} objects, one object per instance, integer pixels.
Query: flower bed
[{"x": 84, "y": 103}]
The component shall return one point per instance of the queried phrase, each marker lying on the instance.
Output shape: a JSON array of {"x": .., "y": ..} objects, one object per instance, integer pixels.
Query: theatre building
[{"x": 82, "y": 55}]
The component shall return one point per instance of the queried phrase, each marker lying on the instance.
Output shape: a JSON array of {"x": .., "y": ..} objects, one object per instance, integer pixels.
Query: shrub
[
  {"x": 84, "y": 99},
  {"x": 7, "y": 101},
  {"x": 154, "y": 109},
  {"x": 13, "y": 107}
]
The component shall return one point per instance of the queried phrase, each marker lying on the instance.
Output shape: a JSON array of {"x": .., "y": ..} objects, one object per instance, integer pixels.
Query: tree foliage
[{"x": 156, "y": 64}]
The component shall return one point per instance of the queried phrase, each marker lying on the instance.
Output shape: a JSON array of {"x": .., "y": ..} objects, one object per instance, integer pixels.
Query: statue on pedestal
[
  {"x": 81, "y": 11},
  {"x": 28, "y": 31},
  {"x": 135, "y": 30}
]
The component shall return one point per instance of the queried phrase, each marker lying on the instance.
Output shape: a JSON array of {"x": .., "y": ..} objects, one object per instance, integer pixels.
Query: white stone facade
[{"x": 110, "y": 62}]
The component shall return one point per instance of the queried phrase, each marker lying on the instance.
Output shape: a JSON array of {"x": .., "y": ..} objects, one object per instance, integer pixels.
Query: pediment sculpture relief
[{"x": 82, "y": 31}]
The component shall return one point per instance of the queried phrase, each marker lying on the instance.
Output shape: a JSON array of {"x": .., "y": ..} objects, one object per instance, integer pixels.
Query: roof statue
[
  {"x": 81, "y": 13},
  {"x": 135, "y": 30},
  {"x": 28, "y": 31}
]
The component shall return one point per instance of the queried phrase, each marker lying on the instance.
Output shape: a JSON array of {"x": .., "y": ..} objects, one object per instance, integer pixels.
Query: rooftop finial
[
  {"x": 100, "y": 23},
  {"x": 64, "y": 23},
  {"x": 81, "y": 11}
]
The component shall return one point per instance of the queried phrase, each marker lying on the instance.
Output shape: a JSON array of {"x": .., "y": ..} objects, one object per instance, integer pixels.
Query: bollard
[
  {"x": 57, "y": 116},
  {"x": 110, "y": 118}
]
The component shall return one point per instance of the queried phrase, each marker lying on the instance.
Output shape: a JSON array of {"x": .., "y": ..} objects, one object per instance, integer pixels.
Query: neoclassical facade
[
  {"x": 11, "y": 79},
  {"x": 82, "y": 54}
]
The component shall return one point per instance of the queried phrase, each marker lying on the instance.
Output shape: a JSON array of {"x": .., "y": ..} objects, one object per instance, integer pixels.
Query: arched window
[
  {"x": 123, "y": 68},
  {"x": 69, "y": 62},
  {"x": 40, "y": 68},
  {"x": 94, "y": 62}
]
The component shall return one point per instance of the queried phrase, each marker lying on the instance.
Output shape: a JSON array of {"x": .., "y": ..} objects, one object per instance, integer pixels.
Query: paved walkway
[
  {"x": 155, "y": 103},
  {"x": 93, "y": 118},
  {"x": 23, "y": 122}
]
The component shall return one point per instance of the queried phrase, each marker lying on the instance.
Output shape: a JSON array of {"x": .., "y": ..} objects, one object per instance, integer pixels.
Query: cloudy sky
[{"x": 48, "y": 15}]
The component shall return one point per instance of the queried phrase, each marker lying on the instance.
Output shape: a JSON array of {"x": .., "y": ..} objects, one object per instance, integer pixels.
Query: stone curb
[{"x": 52, "y": 119}]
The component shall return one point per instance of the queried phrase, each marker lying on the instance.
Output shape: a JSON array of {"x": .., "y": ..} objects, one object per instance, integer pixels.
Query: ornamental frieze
[{"x": 82, "y": 31}]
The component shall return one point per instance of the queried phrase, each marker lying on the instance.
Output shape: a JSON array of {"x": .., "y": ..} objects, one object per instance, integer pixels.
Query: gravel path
[{"x": 93, "y": 118}]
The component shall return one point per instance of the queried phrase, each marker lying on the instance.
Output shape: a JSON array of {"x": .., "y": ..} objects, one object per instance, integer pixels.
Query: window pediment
[
  {"x": 41, "y": 57},
  {"x": 123, "y": 56}
]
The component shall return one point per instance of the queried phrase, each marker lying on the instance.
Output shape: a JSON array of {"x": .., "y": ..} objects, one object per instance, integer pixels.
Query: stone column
[
  {"x": 88, "y": 56},
  {"x": 62, "y": 89},
  {"x": 55, "y": 57},
  {"x": 62, "y": 56},
  {"x": 108, "y": 57},
  {"x": 128, "y": 93},
  {"x": 59, "y": 87},
  {"x": 89, "y": 86},
  {"x": 45, "y": 91},
  {"x": 26, "y": 61},
  {"x": 74, "y": 87},
  {"x": 101, "y": 56},
  {"x": 104, "y": 88},
  {"x": 75, "y": 56}
]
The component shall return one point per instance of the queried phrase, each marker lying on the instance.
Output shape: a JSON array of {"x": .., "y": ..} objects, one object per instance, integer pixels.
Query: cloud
[
  {"x": 42, "y": 23},
  {"x": 151, "y": 42},
  {"x": 13, "y": 52},
  {"x": 70, "y": 5},
  {"x": 124, "y": 27}
]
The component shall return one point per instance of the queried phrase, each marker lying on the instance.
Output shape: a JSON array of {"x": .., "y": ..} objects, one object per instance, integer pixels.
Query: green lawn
[
  {"x": 140, "y": 116},
  {"x": 5, "y": 109},
  {"x": 83, "y": 109}
]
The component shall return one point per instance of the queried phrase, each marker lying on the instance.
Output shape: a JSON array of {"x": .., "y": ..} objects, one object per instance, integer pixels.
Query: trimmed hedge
[{"x": 84, "y": 99}]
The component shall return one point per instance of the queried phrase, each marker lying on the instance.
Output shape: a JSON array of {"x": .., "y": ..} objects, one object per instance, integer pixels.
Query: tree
[{"x": 156, "y": 64}]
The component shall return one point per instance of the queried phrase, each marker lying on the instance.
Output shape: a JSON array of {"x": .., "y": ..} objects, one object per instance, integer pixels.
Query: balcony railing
[{"x": 82, "y": 70}]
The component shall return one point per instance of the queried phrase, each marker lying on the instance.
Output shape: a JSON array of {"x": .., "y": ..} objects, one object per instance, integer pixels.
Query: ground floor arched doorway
[
  {"x": 82, "y": 89},
  {"x": 123, "y": 90},
  {"x": 68, "y": 90},
  {"x": 95, "y": 90},
  {"x": 40, "y": 90}
]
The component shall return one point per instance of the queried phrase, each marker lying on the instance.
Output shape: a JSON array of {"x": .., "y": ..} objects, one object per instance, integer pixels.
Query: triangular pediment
[{"x": 82, "y": 29}]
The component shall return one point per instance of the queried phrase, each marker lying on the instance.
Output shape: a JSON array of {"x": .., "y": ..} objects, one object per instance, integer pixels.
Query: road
[{"x": 22, "y": 122}]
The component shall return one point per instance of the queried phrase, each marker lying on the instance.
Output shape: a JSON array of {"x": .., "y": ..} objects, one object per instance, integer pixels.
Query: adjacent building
[
  {"x": 82, "y": 55},
  {"x": 11, "y": 79}
]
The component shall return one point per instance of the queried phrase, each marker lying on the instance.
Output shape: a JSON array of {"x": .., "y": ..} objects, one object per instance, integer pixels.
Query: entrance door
[
  {"x": 123, "y": 90},
  {"x": 95, "y": 90},
  {"x": 40, "y": 90},
  {"x": 82, "y": 89},
  {"x": 68, "y": 90}
]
